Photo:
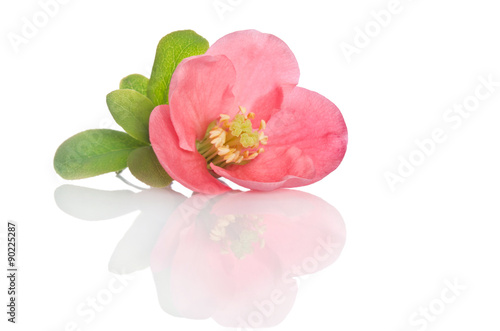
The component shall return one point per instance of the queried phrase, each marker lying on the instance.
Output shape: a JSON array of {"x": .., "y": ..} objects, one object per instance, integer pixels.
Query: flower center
[{"x": 232, "y": 141}]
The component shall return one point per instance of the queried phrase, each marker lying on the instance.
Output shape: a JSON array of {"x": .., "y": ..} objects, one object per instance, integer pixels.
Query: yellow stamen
[
  {"x": 262, "y": 138},
  {"x": 253, "y": 156},
  {"x": 215, "y": 133},
  {"x": 224, "y": 150},
  {"x": 233, "y": 141},
  {"x": 262, "y": 126}
]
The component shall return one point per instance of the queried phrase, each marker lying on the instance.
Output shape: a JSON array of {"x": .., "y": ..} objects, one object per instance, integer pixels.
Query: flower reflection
[
  {"x": 237, "y": 234},
  {"x": 233, "y": 257}
]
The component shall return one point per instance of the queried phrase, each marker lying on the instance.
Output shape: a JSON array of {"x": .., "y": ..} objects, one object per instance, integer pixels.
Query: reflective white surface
[{"x": 234, "y": 257}]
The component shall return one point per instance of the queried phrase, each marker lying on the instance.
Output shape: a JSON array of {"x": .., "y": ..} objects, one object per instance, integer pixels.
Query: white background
[{"x": 441, "y": 223}]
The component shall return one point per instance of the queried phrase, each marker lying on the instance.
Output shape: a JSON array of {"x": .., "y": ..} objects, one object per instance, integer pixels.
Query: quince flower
[{"x": 236, "y": 112}]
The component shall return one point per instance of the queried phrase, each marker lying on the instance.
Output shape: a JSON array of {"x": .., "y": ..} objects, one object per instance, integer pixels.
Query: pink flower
[{"x": 235, "y": 112}]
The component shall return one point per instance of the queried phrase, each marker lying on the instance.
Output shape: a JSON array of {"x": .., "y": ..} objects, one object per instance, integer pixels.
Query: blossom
[{"x": 236, "y": 112}]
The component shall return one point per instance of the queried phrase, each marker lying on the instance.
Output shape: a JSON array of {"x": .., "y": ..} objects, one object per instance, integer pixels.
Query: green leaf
[
  {"x": 144, "y": 165},
  {"x": 94, "y": 152},
  {"x": 131, "y": 110},
  {"x": 172, "y": 49},
  {"x": 135, "y": 82}
]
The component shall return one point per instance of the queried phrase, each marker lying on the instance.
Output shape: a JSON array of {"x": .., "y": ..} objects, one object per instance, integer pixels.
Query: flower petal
[
  {"x": 307, "y": 141},
  {"x": 188, "y": 168},
  {"x": 264, "y": 65},
  {"x": 200, "y": 90}
]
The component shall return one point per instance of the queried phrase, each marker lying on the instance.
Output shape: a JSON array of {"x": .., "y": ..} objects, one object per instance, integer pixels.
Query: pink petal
[
  {"x": 264, "y": 65},
  {"x": 307, "y": 141},
  {"x": 200, "y": 90},
  {"x": 188, "y": 168}
]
